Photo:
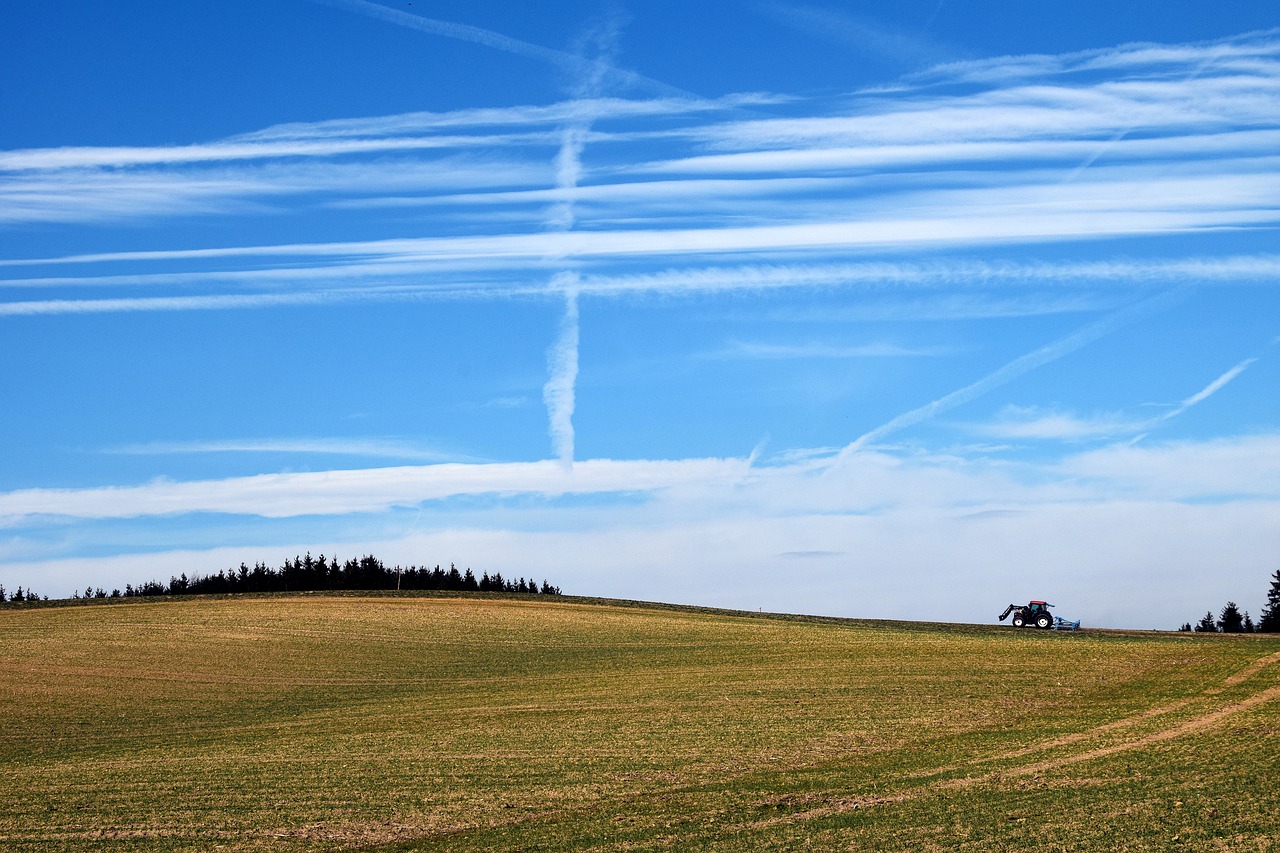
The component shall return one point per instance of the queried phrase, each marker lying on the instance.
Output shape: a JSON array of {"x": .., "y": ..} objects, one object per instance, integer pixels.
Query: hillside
[{"x": 471, "y": 723}]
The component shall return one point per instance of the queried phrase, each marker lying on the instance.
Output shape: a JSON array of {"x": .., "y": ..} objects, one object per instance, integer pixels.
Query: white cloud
[
  {"x": 1020, "y": 218},
  {"x": 362, "y": 490},
  {"x": 1180, "y": 527},
  {"x": 1030, "y": 422},
  {"x": 1225, "y": 468},
  {"x": 950, "y": 288}
]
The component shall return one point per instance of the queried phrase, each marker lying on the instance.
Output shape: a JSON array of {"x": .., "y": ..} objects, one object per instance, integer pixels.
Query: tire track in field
[
  {"x": 1195, "y": 724},
  {"x": 1231, "y": 681},
  {"x": 841, "y": 804}
]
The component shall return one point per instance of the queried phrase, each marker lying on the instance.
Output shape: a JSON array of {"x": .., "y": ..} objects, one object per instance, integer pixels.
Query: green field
[{"x": 431, "y": 722}]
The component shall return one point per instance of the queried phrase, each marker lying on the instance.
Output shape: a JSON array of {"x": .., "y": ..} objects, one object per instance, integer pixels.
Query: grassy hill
[{"x": 429, "y": 722}]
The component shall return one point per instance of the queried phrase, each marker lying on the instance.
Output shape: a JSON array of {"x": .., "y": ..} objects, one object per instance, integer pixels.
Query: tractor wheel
[
  {"x": 1044, "y": 620},
  {"x": 1018, "y": 621}
]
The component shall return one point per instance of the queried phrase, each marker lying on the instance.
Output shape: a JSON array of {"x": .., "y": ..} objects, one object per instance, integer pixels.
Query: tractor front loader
[{"x": 1033, "y": 613}]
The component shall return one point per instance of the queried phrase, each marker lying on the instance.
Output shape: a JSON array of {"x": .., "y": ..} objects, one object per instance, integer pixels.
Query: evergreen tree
[
  {"x": 1186, "y": 626},
  {"x": 1230, "y": 621},
  {"x": 1249, "y": 627},
  {"x": 1269, "y": 621},
  {"x": 1207, "y": 623},
  {"x": 2, "y": 593}
]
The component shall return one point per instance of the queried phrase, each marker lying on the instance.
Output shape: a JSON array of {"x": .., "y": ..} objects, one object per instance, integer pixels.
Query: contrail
[
  {"x": 562, "y": 358},
  {"x": 1195, "y": 399},
  {"x": 576, "y": 65},
  {"x": 1203, "y": 66},
  {"x": 1017, "y": 367},
  {"x": 562, "y": 369}
]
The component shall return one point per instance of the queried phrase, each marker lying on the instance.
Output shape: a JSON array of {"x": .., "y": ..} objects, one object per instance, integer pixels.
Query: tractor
[{"x": 1033, "y": 613}]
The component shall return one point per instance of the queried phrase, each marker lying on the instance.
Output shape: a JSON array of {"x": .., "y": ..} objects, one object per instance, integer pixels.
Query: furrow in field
[{"x": 833, "y": 805}]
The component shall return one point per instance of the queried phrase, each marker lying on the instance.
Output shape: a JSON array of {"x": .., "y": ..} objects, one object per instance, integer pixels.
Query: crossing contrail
[
  {"x": 576, "y": 65},
  {"x": 1014, "y": 369}
]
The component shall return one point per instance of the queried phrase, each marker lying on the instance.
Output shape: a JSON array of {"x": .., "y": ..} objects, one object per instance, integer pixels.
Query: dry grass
[{"x": 429, "y": 722}]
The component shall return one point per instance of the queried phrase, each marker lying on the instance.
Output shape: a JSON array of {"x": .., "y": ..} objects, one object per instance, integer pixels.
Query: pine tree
[
  {"x": 1230, "y": 621},
  {"x": 1269, "y": 621},
  {"x": 1207, "y": 623}
]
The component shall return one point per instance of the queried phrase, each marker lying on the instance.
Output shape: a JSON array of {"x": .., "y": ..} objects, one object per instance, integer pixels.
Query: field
[{"x": 431, "y": 722}]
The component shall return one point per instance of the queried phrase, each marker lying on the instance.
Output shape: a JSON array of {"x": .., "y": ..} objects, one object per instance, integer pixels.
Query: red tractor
[{"x": 1033, "y": 613}]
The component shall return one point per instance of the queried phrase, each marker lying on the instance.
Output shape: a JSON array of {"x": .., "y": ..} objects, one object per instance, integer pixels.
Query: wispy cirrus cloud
[
  {"x": 1033, "y": 423},
  {"x": 1252, "y": 53},
  {"x": 794, "y": 483},
  {"x": 365, "y": 490},
  {"x": 1033, "y": 213},
  {"x": 947, "y": 288}
]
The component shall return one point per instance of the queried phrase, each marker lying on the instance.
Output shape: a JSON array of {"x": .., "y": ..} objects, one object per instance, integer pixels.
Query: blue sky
[{"x": 888, "y": 310}]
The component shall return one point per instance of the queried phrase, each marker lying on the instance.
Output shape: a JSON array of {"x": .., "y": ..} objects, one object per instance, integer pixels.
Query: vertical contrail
[
  {"x": 562, "y": 370},
  {"x": 562, "y": 358}
]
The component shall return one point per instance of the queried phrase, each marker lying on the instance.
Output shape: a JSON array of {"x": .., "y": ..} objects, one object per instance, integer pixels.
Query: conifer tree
[
  {"x": 1207, "y": 623},
  {"x": 1230, "y": 621},
  {"x": 1269, "y": 621}
]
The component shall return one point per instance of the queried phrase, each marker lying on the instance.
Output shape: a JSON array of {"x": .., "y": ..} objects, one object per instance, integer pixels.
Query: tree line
[
  {"x": 1230, "y": 620},
  {"x": 308, "y": 574}
]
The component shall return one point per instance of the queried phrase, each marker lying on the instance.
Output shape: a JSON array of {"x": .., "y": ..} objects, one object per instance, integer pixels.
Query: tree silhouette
[
  {"x": 1269, "y": 621},
  {"x": 310, "y": 574},
  {"x": 1230, "y": 621},
  {"x": 1207, "y": 623}
]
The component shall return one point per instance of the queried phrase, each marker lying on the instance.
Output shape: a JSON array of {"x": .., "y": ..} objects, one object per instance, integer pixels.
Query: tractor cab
[{"x": 1033, "y": 612}]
